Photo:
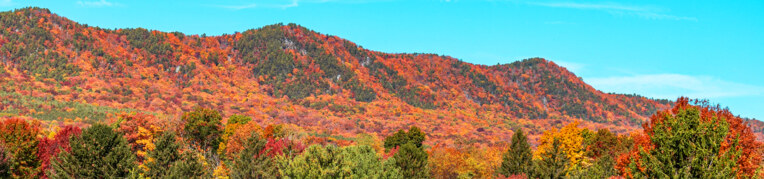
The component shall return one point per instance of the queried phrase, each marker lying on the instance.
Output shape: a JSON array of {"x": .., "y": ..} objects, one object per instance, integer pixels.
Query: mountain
[{"x": 55, "y": 69}]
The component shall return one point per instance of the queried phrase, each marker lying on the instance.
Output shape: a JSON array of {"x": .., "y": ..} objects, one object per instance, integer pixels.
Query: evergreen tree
[
  {"x": 414, "y": 135},
  {"x": 685, "y": 146},
  {"x": 253, "y": 161},
  {"x": 412, "y": 161},
  {"x": 553, "y": 163},
  {"x": 518, "y": 159},
  {"x": 162, "y": 157},
  {"x": 98, "y": 152},
  {"x": 365, "y": 163},
  {"x": 203, "y": 127},
  {"x": 189, "y": 166},
  {"x": 5, "y": 163},
  {"x": 315, "y": 162}
]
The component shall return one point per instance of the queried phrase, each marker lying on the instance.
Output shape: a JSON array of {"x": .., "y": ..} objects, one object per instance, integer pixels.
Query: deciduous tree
[{"x": 19, "y": 138}]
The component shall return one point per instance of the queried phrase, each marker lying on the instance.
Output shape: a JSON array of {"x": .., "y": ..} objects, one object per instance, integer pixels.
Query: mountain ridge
[{"x": 264, "y": 73}]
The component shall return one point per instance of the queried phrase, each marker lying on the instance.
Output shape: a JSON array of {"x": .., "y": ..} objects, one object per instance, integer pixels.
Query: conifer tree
[
  {"x": 162, "y": 157},
  {"x": 518, "y": 159},
  {"x": 412, "y": 161},
  {"x": 253, "y": 161},
  {"x": 687, "y": 147},
  {"x": 365, "y": 163},
  {"x": 414, "y": 135},
  {"x": 189, "y": 166},
  {"x": 98, "y": 152},
  {"x": 553, "y": 163},
  {"x": 5, "y": 163}
]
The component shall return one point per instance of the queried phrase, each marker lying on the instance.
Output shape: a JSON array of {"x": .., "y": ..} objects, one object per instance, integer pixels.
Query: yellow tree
[{"x": 571, "y": 143}]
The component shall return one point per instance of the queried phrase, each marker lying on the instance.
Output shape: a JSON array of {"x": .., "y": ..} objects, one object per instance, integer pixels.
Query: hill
[{"x": 56, "y": 69}]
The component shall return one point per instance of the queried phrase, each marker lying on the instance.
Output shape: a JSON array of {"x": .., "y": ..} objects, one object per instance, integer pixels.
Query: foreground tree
[
  {"x": 19, "y": 138},
  {"x": 315, "y": 162},
  {"x": 518, "y": 159},
  {"x": 5, "y": 163},
  {"x": 253, "y": 161},
  {"x": 203, "y": 127},
  {"x": 98, "y": 152},
  {"x": 553, "y": 163},
  {"x": 49, "y": 148},
  {"x": 190, "y": 165},
  {"x": 414, "y": 135},
  {"x": 412, "y": 160},
  {"x": 692, "y": 141},
  {"x": 163, "y": 157},
  {"x": 365, "y": 163}
]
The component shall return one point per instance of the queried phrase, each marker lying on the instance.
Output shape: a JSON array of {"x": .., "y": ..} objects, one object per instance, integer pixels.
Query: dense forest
[{"x": 283, "y": 101}]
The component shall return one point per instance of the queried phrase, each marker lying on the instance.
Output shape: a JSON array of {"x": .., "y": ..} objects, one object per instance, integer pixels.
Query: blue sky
[{"x": 661, "y": 49}]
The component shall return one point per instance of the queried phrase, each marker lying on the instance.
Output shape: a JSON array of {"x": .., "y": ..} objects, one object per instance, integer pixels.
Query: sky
[{"x": 660, "y": 49}]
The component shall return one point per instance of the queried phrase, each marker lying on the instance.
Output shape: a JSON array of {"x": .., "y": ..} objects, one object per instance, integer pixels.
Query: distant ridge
[{"x": 290, "y": 74}]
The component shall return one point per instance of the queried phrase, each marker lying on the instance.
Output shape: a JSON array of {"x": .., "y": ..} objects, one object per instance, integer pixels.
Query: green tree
[
  {"x": 603, "y": 167},
  {"x": 163, "y": 156},
  {"x": 315, "y": 162},
  {"x": 98, "y": 152},
  {"x": 5, "y": 163},
  {"x": 189, "y": 166},
  {"x": 685, "y": 146},
  {"x": 412, "y": 161},
  {"x": 253, "y": 161},
  {"x": 203, "y": 127},
  {"x": 518, "y": 159},
  {"x": 414, "y": 135},
  {"x": 553, "y": 163},
  {"x": 365, "y": 163}
]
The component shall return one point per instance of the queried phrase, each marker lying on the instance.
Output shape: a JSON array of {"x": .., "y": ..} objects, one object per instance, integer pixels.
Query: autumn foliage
[
  {"x": 288, "y": 95},
  {"x": 724, "y": 135}
]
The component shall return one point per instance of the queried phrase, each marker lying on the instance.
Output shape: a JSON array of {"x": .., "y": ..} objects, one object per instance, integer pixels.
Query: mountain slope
[{"x": 289, "y": 74}]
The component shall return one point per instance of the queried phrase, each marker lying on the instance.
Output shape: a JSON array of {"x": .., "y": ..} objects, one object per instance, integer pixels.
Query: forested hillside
[
  {"x": 289, "y": 74},
  {"x": 268, "y": 102}
]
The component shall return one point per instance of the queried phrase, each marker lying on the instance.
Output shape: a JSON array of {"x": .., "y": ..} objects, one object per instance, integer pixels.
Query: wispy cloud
[
  {"x": 101, "y": 3},
  {"x": 284, "y": 4},
  {"x": 239, "y": 7},
  {"x": 647, "y": 12},
  {"x": 669, "y": 86}
]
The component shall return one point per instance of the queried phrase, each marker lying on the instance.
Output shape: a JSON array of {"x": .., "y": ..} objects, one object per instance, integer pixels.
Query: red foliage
[
  {"x": 749, "y": 159},
  {"x": 48, "y": 148},
  {"x": 282, "y": 146},
  {"x": 19, "y": 137}
]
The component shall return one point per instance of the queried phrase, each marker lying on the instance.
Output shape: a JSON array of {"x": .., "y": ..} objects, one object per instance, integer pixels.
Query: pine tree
[
  {"x": 5, "y": 163},
  {"x": 189, "y": 166},
  {"x": 687, "y": 147},
  {"x": 414, "y": 135},
  {"x": 518, "y": 159},
  {"x": 253, "y": 162},
  {"x": 553, "y": 163},
  {"x": 162, "y": 157},
  {"x": 315, "y": 162},
  {"x": 365, "y": 163},
  {"x": 412, "y": 161},
  {"x": 98, "y": 152}
]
